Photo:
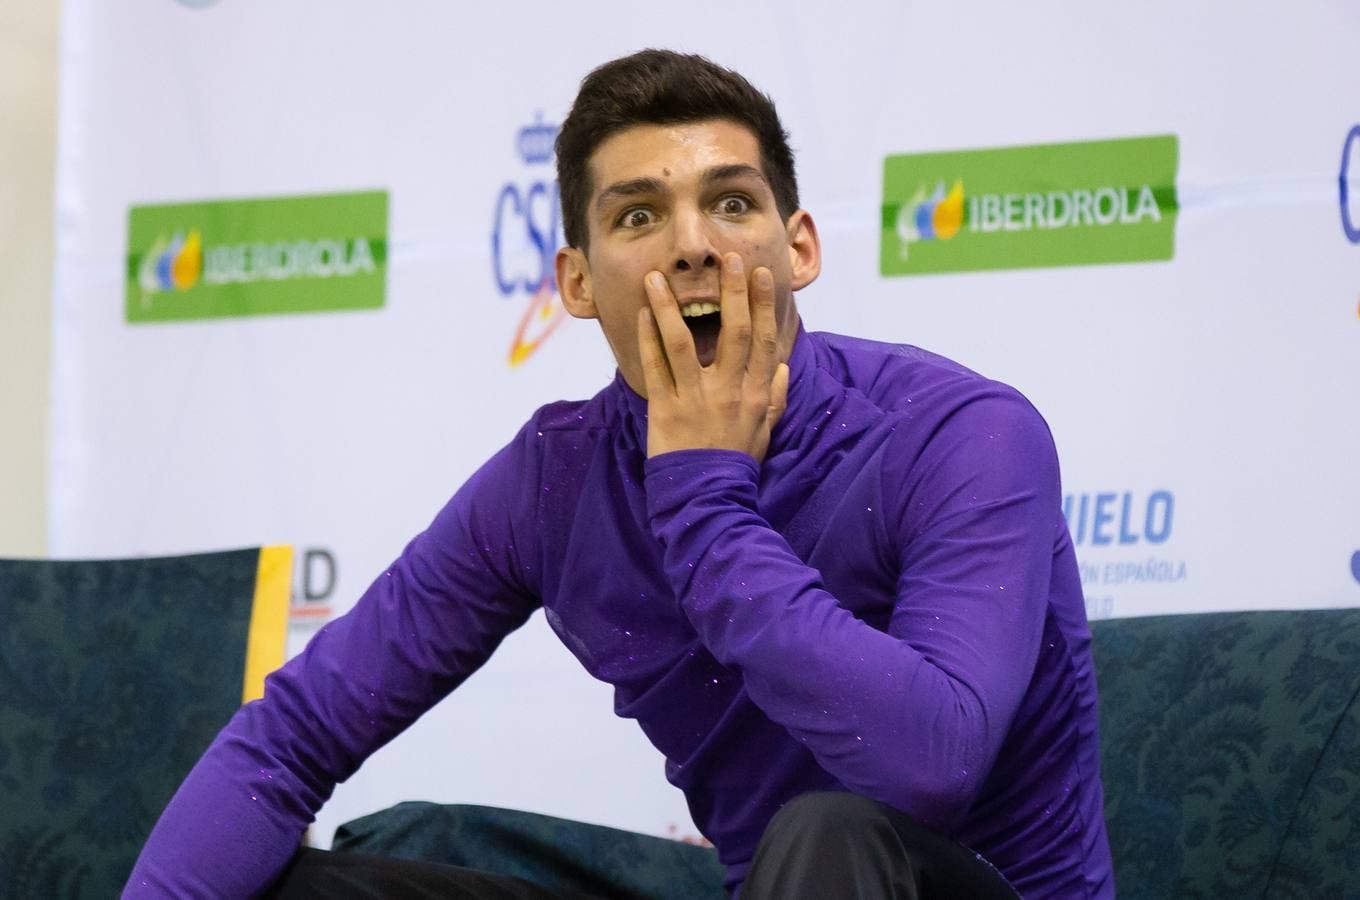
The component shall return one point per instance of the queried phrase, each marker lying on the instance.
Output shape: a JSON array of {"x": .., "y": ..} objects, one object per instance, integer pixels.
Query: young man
[{"x": 829, "y": 577}]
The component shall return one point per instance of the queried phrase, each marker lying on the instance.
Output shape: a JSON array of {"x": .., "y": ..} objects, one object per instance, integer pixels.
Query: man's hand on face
[{"x": 732, "y": 404}]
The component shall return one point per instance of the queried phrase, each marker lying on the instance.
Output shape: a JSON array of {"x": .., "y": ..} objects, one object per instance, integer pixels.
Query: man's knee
[
  {"x": 818, "y": 844},
  {"x": 825, "y": 815}
]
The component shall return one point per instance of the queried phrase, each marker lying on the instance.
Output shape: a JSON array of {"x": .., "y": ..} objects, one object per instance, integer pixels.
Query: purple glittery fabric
[{"x": 888, "y": 605}]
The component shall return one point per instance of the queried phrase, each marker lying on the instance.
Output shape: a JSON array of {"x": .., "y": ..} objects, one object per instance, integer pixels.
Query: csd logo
[{"x": 525, "y": 234}]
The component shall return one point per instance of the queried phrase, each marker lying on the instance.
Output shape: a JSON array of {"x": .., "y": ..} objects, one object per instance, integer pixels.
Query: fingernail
[
  {"x": 734, "y": 264},
  {"x": 764, "y": 279},
  {"x": 655, "y": 279}
]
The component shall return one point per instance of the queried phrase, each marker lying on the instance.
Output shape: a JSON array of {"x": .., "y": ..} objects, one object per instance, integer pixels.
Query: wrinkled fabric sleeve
[
  {"x": 426, "y": 623},
  {"x": 912, "y": 716}
]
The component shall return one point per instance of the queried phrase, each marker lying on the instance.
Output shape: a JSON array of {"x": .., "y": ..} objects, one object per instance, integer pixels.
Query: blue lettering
[
  {"x": 538, "y": 213},
  {"x": 544, "y": 239},
  {"x": 1103, "y": 517},
  {"x": 1352, "y": 229},
  {"x": 1099, "y": 512},
  {"x": 1125, "y": 504},
  {"x": 1077, "y": 527},
  {"x": 511, "y": 193},
  {"x": 555, "y": 231},
  {"x": 1157, "y": 525}
]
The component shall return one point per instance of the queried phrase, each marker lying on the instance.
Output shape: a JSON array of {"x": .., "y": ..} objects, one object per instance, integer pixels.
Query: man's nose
[{"x": 694, "y": 250}]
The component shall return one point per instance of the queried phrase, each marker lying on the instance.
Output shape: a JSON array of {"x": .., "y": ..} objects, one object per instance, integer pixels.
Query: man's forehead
[{"x": 672, "y": 150}]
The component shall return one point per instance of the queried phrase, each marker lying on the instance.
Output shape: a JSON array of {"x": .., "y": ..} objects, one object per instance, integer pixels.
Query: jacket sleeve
[
  {"x": 912, "y": 715},
  {"x": 426, "y": 623}
]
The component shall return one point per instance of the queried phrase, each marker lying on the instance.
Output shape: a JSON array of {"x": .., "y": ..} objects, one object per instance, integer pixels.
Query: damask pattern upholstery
[
  {"x": 1231, "y": 753},
  {"x": 114, "y": 677}
]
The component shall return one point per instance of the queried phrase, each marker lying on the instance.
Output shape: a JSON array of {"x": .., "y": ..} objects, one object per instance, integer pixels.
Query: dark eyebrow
[
  {"x": 635, "y": 186},
  {"x": 630, "y": 188},
  {"x": 735, "y": 170}
]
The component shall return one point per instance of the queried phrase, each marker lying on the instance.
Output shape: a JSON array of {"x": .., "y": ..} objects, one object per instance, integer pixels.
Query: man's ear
[
  {"x": 805, "y": 249},
  {"x": 573, "y": 283}
]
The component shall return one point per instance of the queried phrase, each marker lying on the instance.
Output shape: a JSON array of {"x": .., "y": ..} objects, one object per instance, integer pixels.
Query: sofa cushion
[
  {"x": 114, "y": 677},
  {"x": 1231, "y": 753}
]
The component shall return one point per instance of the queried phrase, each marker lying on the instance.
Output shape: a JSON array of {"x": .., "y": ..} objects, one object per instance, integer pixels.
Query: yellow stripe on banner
[{"x": 268, "y": 619}]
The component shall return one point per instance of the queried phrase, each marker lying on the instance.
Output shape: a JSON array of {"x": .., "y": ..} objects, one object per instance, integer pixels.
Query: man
[{"x": 829, "y": 577}]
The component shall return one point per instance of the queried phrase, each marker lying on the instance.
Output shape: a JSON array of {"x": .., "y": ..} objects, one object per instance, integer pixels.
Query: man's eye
[
  {"x": 636, "y": 218},
  {"x": 734, "y": 205}
]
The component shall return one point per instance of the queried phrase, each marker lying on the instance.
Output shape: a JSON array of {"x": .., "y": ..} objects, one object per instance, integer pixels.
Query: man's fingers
[
  {"x": 765, "y": 330},
  {"x": 734, "y": 340},
  {"x": 656, "y": 373},
  {"x": 676, "y": 340}
]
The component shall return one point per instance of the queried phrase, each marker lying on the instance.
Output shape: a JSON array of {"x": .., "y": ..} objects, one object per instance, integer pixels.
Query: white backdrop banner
[{"x": 304, "y": 288}]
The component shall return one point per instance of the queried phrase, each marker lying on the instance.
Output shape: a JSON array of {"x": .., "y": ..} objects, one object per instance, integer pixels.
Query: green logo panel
[
  {"x": 1027, "y": 207},
  {"x": 231, "y": 258}
]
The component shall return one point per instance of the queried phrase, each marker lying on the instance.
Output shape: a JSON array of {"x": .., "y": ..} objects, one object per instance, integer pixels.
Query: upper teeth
[{"x": 698, "y": 309}]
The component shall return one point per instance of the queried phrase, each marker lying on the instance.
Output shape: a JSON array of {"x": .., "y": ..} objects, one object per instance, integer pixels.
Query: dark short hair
[{"x": 662, "y": 87}]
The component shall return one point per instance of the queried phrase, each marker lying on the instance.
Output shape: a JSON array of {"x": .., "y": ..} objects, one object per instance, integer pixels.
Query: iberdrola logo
[
  {"x": 256, "y": 256},
  {"x": 925, "y": 218},
  {"x": 1076, "y": 203},
  {"x": 173, "y": 263}
]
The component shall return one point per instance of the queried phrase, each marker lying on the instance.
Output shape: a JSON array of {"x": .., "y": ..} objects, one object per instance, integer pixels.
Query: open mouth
[{"x": 704, "y": 322}]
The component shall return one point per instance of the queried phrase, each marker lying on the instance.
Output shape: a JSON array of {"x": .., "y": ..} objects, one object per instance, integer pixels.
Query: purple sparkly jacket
[{"x": 888, "y": 605}]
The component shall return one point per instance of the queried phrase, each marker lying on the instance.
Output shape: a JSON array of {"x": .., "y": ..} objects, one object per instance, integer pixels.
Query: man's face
[{"x": 674, "y": 199}]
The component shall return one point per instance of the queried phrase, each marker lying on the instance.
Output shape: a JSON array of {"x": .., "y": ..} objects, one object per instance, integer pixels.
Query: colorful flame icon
[
  {"x": 172, "y": 264},
  {"x": 542, "y": 317},
  {"x": 928, "y": 217}
]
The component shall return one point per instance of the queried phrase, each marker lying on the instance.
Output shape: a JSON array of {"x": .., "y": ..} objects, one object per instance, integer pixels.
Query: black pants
[{"x": 823, "y": 846}]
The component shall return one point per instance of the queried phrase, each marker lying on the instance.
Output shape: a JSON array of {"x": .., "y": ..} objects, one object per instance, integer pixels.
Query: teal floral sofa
[
  {"x": 114, "y": 677},
  {"x": 1230, "y": 744},
  {"x": 1231, "y": 763},
  {"x": 1231, "y": 754}
]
